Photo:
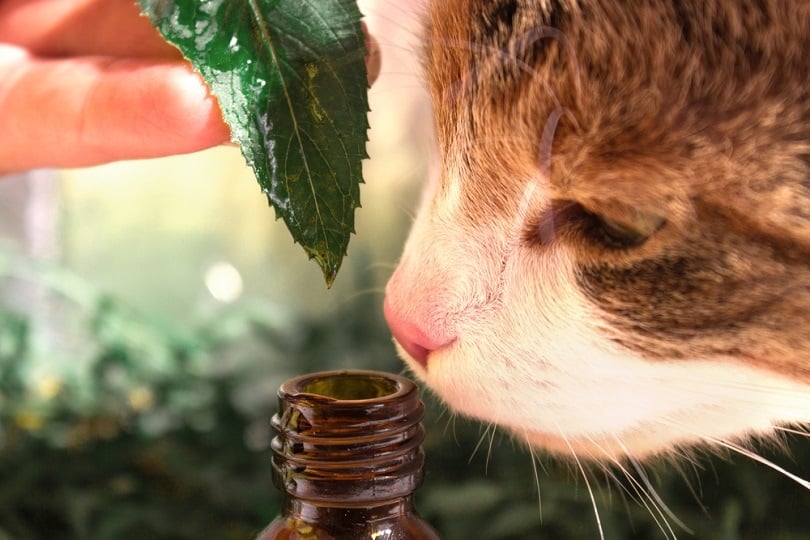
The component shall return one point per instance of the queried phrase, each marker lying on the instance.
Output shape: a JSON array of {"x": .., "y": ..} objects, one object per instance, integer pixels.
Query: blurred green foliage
[{"x": 130, "y": 427}]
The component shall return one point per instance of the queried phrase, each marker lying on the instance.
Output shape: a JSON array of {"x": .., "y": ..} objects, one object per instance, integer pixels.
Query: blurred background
[{"x": 149, "y": 310}]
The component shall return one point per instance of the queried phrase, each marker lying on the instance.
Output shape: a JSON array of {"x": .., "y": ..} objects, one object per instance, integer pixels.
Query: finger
[
  {"x": 101, "y": 27},
  {"x": 373, "y": 55},
  {"x": 82, "y": 28},
  {"x": 110, "y": 110}
]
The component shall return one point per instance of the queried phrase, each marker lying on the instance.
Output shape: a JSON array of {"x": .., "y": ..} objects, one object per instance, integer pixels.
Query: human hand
[
  {"x": 89, "y": 81},
  {"x": 84, "y": 82}
]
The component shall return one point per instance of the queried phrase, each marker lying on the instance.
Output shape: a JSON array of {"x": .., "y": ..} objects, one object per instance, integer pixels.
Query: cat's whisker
[
  {"x": 635, "y": 492},
  {"x": 759, "y": 459},
  {"x": 481, "y": 439},
  {"x": 587, "y": 483},
  {"x": 534, "y": 459},
  {"x": 741, "y": 450},
  {"x": 800, "y": 432},
  {"x": 659, "y": 503},
  {"x": 626, "y": 495},
  {"x": 450, "y": 423},
  {"x": 609, "y": 479},
  {"x": 491, "y": 445},
  {"x": 454, "y": 424},
  {"x": 445, "y": 410},
  {"x": 360, "y": 293},
  {"x": 697, "y": 495},
  {"x": 408, "y": 211},
  {"x": 645, "y": 493}
]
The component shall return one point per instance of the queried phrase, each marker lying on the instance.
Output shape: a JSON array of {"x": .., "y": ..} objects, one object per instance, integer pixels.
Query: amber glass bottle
[{"x": 348, "y": 458}]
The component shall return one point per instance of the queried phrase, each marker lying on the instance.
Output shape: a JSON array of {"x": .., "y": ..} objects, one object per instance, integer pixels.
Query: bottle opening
[
  {"x": 349, "y": 386},
  {"x": 348, "y": 437}
]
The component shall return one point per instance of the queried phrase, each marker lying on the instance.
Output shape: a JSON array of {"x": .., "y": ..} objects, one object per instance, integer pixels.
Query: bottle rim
[{"x": 348, "y": 386}]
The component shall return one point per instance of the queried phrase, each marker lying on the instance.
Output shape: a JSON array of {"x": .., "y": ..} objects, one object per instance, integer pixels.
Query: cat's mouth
[
  {"x": 415, "y": 352},
  {"x": 417, "y": 356}
]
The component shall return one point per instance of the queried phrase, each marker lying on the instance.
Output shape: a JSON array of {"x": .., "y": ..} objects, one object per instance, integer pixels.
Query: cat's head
[{"x": 614, "y": 257}]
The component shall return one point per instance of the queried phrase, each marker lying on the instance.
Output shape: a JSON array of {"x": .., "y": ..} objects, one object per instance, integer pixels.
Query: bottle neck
[
  {"x": 348, "y": 444},
  {"x": 384, "y": 521},
  {"x": 316, "y": 511}
]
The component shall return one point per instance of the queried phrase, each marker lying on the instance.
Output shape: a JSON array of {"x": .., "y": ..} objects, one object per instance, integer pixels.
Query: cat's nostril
[{"x": 416, "y": 342}]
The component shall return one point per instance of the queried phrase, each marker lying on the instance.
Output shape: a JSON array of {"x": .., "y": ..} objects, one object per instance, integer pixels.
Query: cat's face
[{"x": 615, "y": 255}]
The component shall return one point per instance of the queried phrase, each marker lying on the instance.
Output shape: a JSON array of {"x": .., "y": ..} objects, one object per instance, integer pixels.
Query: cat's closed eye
[
  {"x": 630, "y": 229},
  {"x": 611, "y": 227}
]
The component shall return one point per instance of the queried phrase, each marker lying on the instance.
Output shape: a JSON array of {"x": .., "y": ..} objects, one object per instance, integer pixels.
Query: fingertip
[
  {"x": 190, "y": 111},
  {"x": 86, "y": 111},
  {"x": 373, "y": 55},
  {"x": 139, "y": 109}
]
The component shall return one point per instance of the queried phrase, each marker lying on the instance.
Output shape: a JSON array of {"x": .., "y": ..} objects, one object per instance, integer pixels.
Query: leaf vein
[{"x": 266, "y": 35}]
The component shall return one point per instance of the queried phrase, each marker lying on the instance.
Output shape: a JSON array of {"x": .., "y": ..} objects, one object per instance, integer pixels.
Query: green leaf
[{"x": 291, "y": 82}]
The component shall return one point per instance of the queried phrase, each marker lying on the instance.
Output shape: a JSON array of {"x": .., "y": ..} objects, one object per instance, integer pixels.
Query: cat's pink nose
[{"x": 416, "y": 341}]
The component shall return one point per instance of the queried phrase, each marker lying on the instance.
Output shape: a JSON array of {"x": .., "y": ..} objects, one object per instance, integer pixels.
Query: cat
[{"x": 613, "y": 262}]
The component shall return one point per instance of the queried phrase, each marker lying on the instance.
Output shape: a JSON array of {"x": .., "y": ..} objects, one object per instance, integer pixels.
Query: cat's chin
[
  {"x": 637, "y": 445},
  {"x": 670, "y": 410}
]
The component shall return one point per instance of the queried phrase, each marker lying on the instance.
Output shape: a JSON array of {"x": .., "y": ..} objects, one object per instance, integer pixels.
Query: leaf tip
[
  {"x": 329, "y": 278},
  {"x": 329, "y": 264}
]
